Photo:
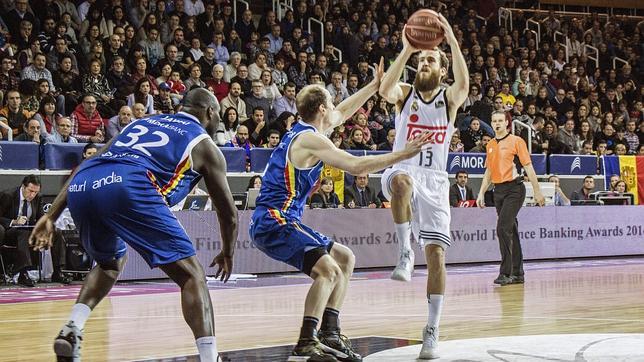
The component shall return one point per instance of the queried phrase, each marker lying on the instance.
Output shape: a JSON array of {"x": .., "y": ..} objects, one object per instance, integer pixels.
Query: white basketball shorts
[{"x": 429, "y": 203}]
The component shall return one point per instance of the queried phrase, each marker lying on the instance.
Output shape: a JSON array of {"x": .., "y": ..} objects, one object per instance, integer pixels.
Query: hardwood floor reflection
[{"x": 566, "y": 297}]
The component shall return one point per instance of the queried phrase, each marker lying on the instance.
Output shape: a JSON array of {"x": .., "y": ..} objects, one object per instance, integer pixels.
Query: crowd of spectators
[{"x": 80, "y": 71}]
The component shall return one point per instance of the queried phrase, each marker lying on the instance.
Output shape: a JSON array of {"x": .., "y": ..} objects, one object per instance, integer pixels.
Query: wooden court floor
[{"x": 587, "y": 296}]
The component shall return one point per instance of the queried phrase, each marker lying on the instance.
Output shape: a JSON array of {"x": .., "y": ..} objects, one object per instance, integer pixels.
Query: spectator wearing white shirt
[
  {"x": 338, "y": 91},
  {"x": 193, "y": 7}
]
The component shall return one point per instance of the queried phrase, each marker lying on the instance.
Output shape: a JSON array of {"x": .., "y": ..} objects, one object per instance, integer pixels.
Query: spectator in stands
[
  {"x": 9, "y": 78},
  {"x": 234, "y": 100},
  {"x": 163, "y": 102},
  {"x": 96, "y": 84},
  {"x": 207, "y": 61},
  {"x": 568, "y": 137},
  {"x": 388, "y": 144},
  {"x": 280, "y": 78},
  {"x": 61, "y": 49},
  {"x": 89, "y": 150},
  {"x": 152, "y": 47},
  {"x": 552, "y": 143},
  {"x": 257, "y": 99},
  {"x": 640, "y": 150},
  {"x": 481, "y": 146},
  {"x": 13, "y": 114},
  {"x": 473, "y": 135},
  {"x": 254, "y": 182},
  {"x": 241, "y": 140},
  {"x": 585, "y": 191},
  {"x": 272, "y": 140},
  {"x": 360, "y": 122},
  {"x": 337, "y": 90},
  {"x": 352, "y": 84},
  {"x": 325, "y": 197},
  {"x": 138, "y": 110},
  {"x": 356, "y": 140},
  {"x": 257, "y": 127},
  {"x": 587, "y": 148},
  {"x": 506, "y": 97},
  {"x": 299, "y": 71},
  {"x": 62, "y": 132},
  {"x": 631, "y": 137},
  {"x": 47, "y": 116},
  {"x": 194, "y": 78},
  {"x": 87, "y": 123},
  {"x": 242, "y": 79},
  {"x": 270, "y": 90},
  {"x": 31, "y": 132},
  {"x": 607, "y": 134},
  {"x": 620, "y": 149},
  {"x": 116, "y": 124},
  {"x": 142, "y": 95},
  {"x": 286, "y": 103},
  {"x": 284, "y": 123},
  {"x": 560, "y": 199},
  {"x": 227, "y": 128},
  {"x": 459, "y": 191},
  {"x": 473, "y": 97},
  {"x": 230, "y": 70},
  {"x": 360, "y": 195}
]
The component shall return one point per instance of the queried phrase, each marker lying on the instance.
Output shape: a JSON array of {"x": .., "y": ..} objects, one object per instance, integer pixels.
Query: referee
[{"x": 503, "y": 153}]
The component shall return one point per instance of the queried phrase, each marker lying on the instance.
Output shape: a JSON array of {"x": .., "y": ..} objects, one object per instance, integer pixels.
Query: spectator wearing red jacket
[{"x": 87, "y": 123}]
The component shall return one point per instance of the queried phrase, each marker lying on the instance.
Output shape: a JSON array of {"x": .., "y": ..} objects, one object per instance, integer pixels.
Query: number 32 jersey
[
  {"x": 417, "y": 116},
  {"x": 161, "y": 145}
]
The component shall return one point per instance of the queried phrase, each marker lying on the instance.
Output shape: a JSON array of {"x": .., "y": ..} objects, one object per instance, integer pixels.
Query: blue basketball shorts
[
  {"x": 114, "y": 204},
  {"x": 291, "y": 242}
]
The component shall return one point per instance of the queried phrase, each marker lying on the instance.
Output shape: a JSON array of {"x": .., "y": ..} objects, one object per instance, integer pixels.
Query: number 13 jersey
[
  {"x": 417, "y": 116},
  {"x": 161, "y": 145}
]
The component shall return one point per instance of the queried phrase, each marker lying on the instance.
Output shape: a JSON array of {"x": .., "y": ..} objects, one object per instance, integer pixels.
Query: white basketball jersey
[{"x": 416, "y": 117}]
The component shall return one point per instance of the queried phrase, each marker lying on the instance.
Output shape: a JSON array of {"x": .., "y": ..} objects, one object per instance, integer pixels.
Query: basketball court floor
[{"x": 569, "y": 310}]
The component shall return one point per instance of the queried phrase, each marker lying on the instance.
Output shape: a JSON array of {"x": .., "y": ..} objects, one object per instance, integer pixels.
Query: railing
[
  {"x": 312, "y": 19},
  {"x": 9, "y": 131},
  {"x": 564, "y": 44},
  {"x": 618, "y": 59},
  {"x": 538, "y": 25},
  {"x": 595, "y": 57},
  {"x": 406, "y": 72},
  {"x": 281, "y": 9},
  {"x": 526, "y": 126},
  {"x": 602, "y": 16},
  {"x": 339, "y": 52},
  {"x": 505, "y": 16},
  {"x": 482, "y": 18},
  {"x": 235, "y": 7},
  {"x": 536, "y": 36}
]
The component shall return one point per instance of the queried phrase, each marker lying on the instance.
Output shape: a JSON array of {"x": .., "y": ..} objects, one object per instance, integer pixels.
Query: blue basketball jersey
[
  {"x": 285, "y": 187},
  {"x": 161, "y": 145}
]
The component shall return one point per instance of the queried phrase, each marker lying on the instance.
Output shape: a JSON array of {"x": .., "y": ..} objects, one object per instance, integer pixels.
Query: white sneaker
[
  {"x": 430, "y": 343},
  {"x": 405, "y": 267},
  {"x": 67, "y": 344}
]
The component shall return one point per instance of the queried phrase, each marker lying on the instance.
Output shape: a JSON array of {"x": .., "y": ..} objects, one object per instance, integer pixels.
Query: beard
[{"x": 426, "y": 81}]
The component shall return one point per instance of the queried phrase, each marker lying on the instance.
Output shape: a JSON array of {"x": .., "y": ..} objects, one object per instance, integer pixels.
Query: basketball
[{"x": 423, "y": 29}]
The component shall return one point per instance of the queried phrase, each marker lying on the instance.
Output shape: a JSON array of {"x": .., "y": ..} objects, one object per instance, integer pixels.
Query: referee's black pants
[{"x": 508, "y": 199}]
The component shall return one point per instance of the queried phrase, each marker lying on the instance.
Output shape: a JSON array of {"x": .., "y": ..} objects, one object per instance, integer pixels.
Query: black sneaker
[
  {"x": 310, "y": 350},
  {"x": 503, "y": 280},
  {"x": 517, "y": 279},
  {"x": 339, "y": 345}
]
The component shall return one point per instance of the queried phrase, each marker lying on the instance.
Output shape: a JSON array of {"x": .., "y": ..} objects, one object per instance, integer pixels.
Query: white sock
[
  {"x": 403, "y": 233},
  {"x": 80, "y": 313},
  {"x": 207, "y": 347},
  {"x": 435, "y": 303}
]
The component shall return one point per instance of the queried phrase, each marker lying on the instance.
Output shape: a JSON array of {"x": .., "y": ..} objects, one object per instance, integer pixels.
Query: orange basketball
[{"x": 423, "y": 29}]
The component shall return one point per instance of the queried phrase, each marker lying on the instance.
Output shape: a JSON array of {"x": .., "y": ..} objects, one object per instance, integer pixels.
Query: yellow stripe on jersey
[
  {"x": 275, "y": 214},
  {"x": 289, "y": 180},
  {"x": 179, "y": 172}
]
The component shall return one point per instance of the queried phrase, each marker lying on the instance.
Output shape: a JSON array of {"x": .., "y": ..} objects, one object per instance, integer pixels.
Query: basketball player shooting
[{"x": 421, "y": 183}]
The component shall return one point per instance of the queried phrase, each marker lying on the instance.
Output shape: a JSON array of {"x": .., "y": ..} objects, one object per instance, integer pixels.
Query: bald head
[{"x": 198, "y": 100}]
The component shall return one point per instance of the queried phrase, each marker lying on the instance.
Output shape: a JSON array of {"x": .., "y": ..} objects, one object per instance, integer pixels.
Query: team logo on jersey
[
  {"x": 437, "y": 134},
  {"x": 413, "y": 118},
  {"x": 414, "y": 106}
]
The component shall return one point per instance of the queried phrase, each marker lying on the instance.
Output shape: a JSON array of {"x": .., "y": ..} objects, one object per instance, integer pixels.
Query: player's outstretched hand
[
  {"x": 225, "y": 263},
  {"x": 480, "y": 202},
  {"x": 380, "y": 71},
  {"x": 415, "y": 145},
  {"x": 41, "y": 236}
]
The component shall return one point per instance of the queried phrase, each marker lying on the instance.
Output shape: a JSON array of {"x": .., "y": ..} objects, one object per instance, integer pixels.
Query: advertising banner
[{"x": 545, "y": 233}]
